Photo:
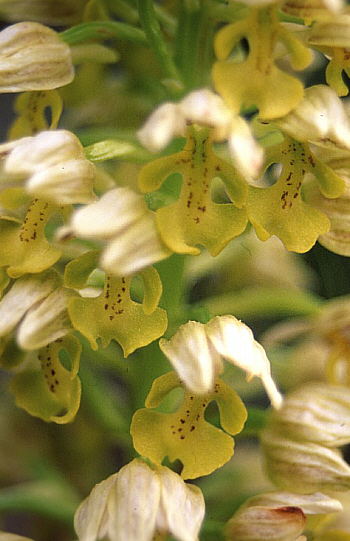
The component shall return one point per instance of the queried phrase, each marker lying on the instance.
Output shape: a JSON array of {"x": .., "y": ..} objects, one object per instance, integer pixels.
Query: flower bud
[
  {"x": 122, "y": 218},
  {"x": 53, "y": 166},
  {"x": 316, "y": 413},
  {"x": 27, "y": 291},
  {"x": 260, "y": 523},
  {"x": 47, "y": 322},
  {"x": 139, "y": 502},
  {"x": 37, "y": 305},
  {"x": 193, "y": 357},
  {"x": 311, "y": 504},
  {"x": 33, "y": 57},
  {"x": 304, "y": 467}
]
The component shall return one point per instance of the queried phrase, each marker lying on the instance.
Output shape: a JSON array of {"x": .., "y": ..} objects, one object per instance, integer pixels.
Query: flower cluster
[{"x": 212, "y": 139}]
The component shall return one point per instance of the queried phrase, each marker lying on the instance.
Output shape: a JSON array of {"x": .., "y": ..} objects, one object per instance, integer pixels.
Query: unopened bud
[
  {"x": 304, "y": 467},
  {"x": 33, "y": 57},
  {"x": 317, "y": 413},
  {"x": 260, "y": 523}
]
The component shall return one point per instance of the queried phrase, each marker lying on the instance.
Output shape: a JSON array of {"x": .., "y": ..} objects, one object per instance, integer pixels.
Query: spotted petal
[
  {"x": 185, "y": 434},
  {"x": 45, "y": 388}
]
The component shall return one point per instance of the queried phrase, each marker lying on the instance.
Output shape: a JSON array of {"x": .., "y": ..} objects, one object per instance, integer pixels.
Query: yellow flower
[
  {"x": 280, "y": 209},
  {"x": 185, "y": 434},
  {"x": 113, "y": 315},
  {"x": 256, "y": 80},
  {"x": 194, "y": 218}
]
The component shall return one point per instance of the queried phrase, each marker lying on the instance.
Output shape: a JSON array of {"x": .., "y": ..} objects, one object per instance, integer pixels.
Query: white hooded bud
[
  {"x": 33, "y": 57},
  {"x": 120, "y": 217},
  {"x": 139, "y": 502},
  {"x": 304, "y": 467},
  {"x": 235, "y": 342},
  {"x": 311, "y": 504},
  {"x": 193, "y": 357},
  {"x": 27, "y": 292},
  {"x": 5, "y": 536},
  {"x": 258, "y": 523},
  {"x": 47, "y": 321},
  {"x": 135, "y": 248},
  {"x": 52, "y": 166},
  {"x": 317, "y": 413}
]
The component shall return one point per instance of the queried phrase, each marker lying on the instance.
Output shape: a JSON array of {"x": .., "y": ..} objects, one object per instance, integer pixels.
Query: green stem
[
  {"x": 103, "y": 30},
  {"x": 188, "y": 42},
  {"x": 102, "y": 400},
  {"x": 155, "y": 39},
  {"x": 171, "y": 273},
  {"x": 263, "y": 302},
  {"x": 42, "y": 497}
]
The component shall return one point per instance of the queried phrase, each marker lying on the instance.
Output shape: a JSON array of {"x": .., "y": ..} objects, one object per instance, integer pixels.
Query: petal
[
  {"x": 25, "y": 293},
  {"x": 135, "y": 247},
  {"x": 234, "y": 341},
  {"x": 185, "y": 434},
  {"x": 337, "y": 239},
  {"x": 182, "y": 505},
  {"x": 192, "y": 356},
  {"x": 33, "y": 154},
  {"x": 133, "y": 503},
  {"x": 114, "y": 316},
  {"x": 258, "y": 523},
  {"x": 165, "y": 123},
  {"x": 45, "y": 323},
  {"x": 304, "y": 467},
  {"x": 45, "y": 388},
  {"x": 31, "y": 109},
  {"x": 311, "y": 504},
  {"x": 90, "y": 517},
  {"x": 66, "y": 183},
  {"x": 111, "y": 215},
  {"x": 24, "y": 247}
]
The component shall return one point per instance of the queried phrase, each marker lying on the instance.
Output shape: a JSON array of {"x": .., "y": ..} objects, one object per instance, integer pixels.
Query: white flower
[
  {"x": 122, "y": 219},
  {"x": 196, "y": 352},
  {"x": 33, "y": 57},
  {"x": 204, "y": 108},
  {"x": 52, "y": 166},
  {"x": 139, "y": 502}
]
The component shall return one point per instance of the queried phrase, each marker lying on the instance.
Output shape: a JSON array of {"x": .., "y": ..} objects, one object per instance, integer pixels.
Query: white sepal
[{"x": 193, "y": 357}]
